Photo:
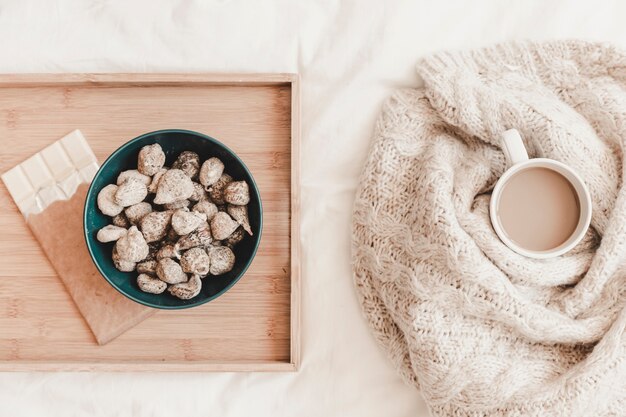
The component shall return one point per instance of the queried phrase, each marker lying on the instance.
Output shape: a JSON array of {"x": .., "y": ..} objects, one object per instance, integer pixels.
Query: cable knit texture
[{"x": 481, "y": 330}]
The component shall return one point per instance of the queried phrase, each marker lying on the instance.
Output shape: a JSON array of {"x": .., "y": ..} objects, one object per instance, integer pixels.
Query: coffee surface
[{"x": 538, "y": 209}]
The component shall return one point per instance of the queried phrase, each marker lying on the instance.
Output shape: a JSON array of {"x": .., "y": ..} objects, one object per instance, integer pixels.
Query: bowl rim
[{"x": 90, "y": 190}]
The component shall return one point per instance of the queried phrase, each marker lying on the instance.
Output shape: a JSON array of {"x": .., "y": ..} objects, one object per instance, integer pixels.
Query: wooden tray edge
[
  {"x": 138, "y": 79},
  {"x": 152, "y": 366},
  {"x": 295, "y": 222}
]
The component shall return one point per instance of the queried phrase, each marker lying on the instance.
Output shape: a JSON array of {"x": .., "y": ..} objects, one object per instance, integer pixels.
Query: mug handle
[{"x": 513, "y": 147}]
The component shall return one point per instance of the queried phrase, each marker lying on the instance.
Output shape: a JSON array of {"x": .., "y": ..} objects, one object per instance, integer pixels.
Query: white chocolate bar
[
  {"x": 78, "y": 149},
  {"x": 52, "y": 174},
  {"x": 37, "y": 172},
  {"x": 58, "y": 161},
  {"x": 17, "y": 183}
]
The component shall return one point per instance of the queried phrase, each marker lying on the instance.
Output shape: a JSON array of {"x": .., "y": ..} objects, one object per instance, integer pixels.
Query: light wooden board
[{"x": 255, "y": 325}]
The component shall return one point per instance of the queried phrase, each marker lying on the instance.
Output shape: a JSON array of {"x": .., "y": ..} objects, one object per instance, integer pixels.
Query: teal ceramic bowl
[{"x": 173, "y": 143}]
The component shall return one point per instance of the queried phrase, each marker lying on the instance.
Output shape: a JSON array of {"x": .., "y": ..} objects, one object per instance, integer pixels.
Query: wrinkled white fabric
[{"x": 351, "y": 56}]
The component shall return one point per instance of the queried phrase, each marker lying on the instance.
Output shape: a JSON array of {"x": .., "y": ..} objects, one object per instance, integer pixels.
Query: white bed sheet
[{"x": 351, "y": 55}]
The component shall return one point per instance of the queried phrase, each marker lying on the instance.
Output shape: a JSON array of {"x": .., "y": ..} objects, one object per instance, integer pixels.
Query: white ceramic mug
[{"x": 517, "y": 156}]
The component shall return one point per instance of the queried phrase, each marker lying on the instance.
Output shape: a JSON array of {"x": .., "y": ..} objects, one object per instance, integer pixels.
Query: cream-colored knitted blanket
[{"x": 481, "y": 330}]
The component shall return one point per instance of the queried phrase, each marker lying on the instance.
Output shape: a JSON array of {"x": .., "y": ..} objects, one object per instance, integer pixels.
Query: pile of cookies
[{"x": 174, "y": 226}]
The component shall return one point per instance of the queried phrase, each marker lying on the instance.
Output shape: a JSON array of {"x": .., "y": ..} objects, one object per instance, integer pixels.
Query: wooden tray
[{"x": 255, "y": 325}]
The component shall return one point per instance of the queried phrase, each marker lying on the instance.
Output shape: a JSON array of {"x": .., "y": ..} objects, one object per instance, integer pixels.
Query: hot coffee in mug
[{"x": 540, "y": 207}]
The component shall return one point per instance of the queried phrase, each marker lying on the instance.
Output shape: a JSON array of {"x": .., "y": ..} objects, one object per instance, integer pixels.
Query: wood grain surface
[{"x": 255, "y": 325}]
